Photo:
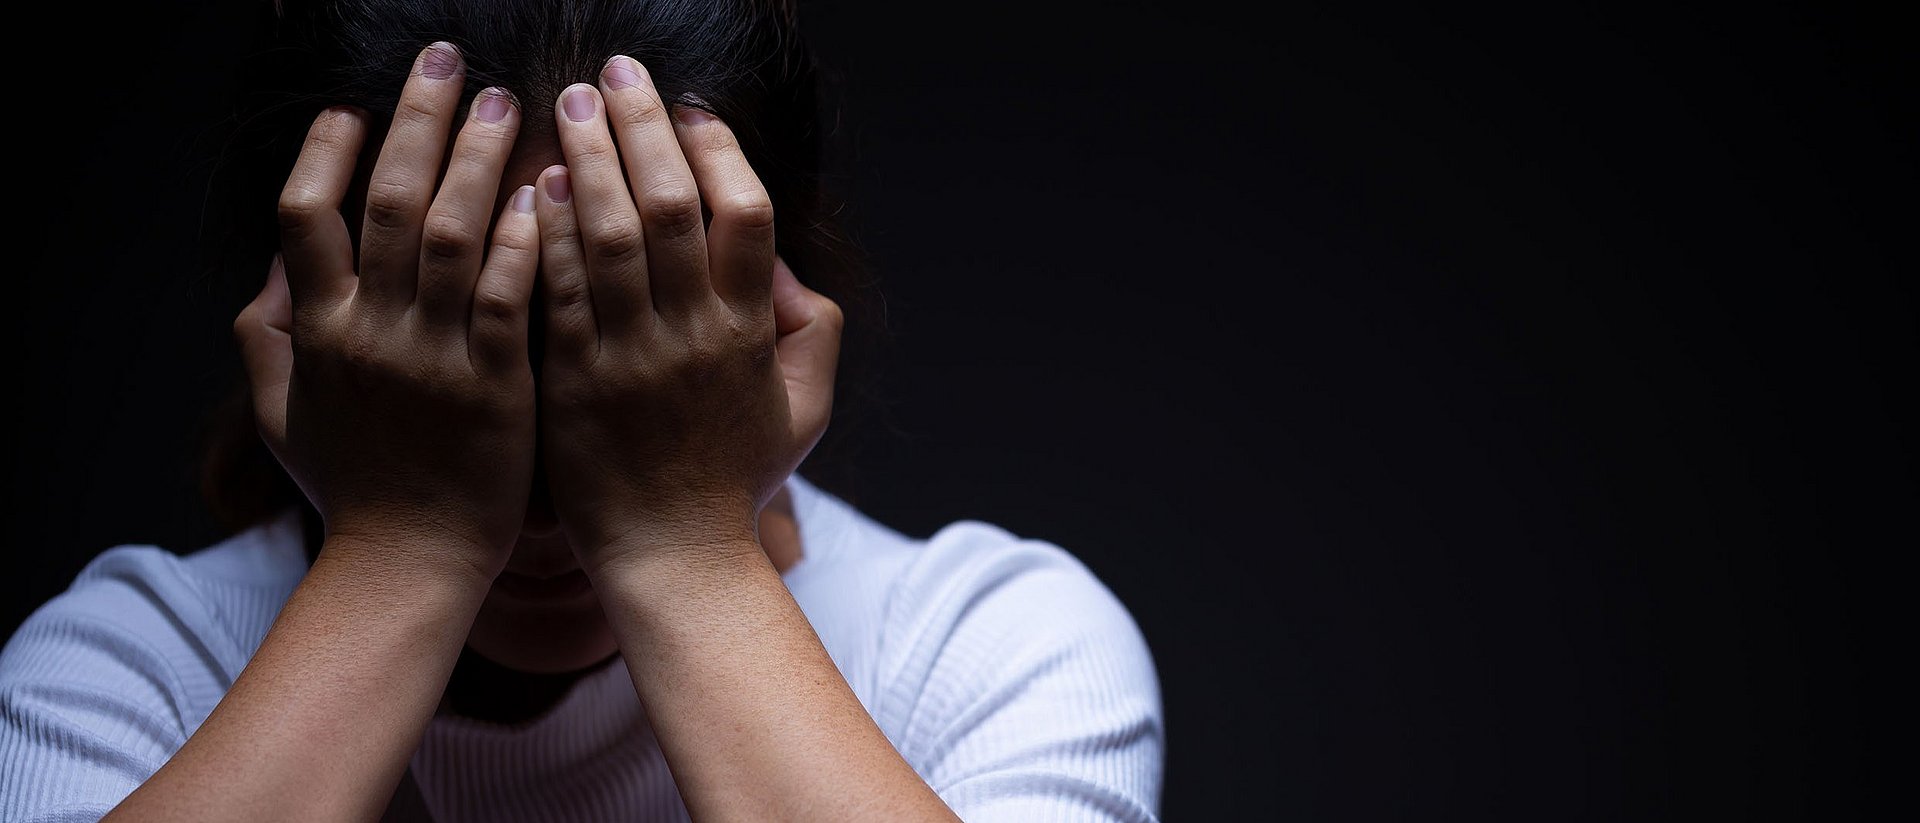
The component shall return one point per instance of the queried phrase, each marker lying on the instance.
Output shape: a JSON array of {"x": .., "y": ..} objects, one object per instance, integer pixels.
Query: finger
[
  {"x": 313, "y": 236},
  {"x": 740, "y": 238},
  {"x": 564, "y": 285},
  {"x": 264, "y": 332},
  {"x": 663, "y": 187},
  {"x": 610, "y": 233},
  {"x": 808, "y": 347},
  {"x": 455, "y": 231},
  {"x": 404, "y": 177},
  {"x": 497, "y": 336}
]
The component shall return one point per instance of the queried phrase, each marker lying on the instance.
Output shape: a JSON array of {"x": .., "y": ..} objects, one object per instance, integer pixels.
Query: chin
[
  {"x": 541, "y": 616},
  {"x": 542, "y": 636}
]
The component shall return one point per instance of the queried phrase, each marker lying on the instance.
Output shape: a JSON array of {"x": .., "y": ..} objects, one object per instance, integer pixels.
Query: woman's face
[{"x": 542, "y": 615}]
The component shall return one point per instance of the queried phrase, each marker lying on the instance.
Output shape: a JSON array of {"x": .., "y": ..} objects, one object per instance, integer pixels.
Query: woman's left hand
[{"x": 686, "y": 371}]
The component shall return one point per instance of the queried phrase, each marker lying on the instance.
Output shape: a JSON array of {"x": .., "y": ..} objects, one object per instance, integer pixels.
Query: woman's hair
[{"x": 742, "y": 60}]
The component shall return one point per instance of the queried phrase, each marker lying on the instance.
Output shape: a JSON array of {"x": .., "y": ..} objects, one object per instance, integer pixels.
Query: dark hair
[{"x": 742, "y": 60}]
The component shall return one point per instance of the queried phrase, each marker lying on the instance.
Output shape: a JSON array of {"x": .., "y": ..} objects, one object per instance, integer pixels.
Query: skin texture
[{"x": 688, "y": 351}]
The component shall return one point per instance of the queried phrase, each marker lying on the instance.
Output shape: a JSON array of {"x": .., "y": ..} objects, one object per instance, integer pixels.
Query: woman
[{"x": 532, "y": 352}]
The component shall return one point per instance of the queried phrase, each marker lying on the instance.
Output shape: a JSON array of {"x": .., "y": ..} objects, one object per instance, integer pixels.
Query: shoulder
[
  {"x": 160, "y": 633},
  {"x": 201, "y": 608},
  {"x": 1005, "y": 672},
  {"x": 978, "y": 598},
  {"x": 1018, "y": 684},
  {"x": 104, "y": 682},
  {"x": 135, "y": 604},
  {"x": 972, "y": 568}
]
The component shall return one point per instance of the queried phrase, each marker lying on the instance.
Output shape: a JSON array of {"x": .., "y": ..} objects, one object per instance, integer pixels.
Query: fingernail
[
  {"x": 691, "y": 116},
  {"x": 440, "y": 60},
  {"x": 523, "y": 199},
  {"x": 494, "y": 105},
  {"x": 622, "y": 72},
  {"x": 559, "y": 188},
  {"x": 578, "y": 104}
]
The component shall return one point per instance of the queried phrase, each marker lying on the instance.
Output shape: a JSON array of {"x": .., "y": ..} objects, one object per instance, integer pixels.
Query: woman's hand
[
  {"x": 686, "y": 372},
  {"x": 398, "y": 395}
]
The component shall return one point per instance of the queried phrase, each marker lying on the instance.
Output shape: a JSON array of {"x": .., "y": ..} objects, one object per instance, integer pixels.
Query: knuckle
[
  {"x": 244, "y": 325},
  {"x": 567, "y": 293},
  {"x": 748, "y": 210},
  {"x": 309, "y": 346},
  {"x": 751, "y": 340},
  {"x": 518, "y": 233},
  {"x": 331, "y": 132},
  {"x": 641, "y": 105},
  {"x": 705, "y": 354},
  {"x": 298, "y": 207},
  {"x": 673, "y": 208},
  {"x": 389, "y": 204},
  {"x": 713, "y": 136},
  {"x": 416, "y": 107},
  {"x": 744, "y": 333},
  {"x": 829, "y": 314},
  {"x": 477, "y": 152},
  {"x": 596, "y": 152},
  {"x": 562, "y": 233},
  {"x": 523, "y": 244},
  {"x": 481, "y": 138},
  {"x": 319, "y": 345},
  {"x": 616, "y": 237},
  {"x": 495, "y": 307},
  {"x": 360, "y": 354},
  {"x": 446, "y": 237}
]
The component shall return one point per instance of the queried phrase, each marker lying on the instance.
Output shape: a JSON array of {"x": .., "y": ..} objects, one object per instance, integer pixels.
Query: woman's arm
[
  {"x": 686, "y": 374},
  {"x": 755, "y": 719},
  {"x": 321, "y": 722},
  {"x": 396, "y": 391}
]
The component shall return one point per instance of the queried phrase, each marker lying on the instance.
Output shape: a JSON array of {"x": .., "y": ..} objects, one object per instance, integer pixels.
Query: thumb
[
  {"x": 264, "y": 332},
  {"x": 807, "y": 326}
]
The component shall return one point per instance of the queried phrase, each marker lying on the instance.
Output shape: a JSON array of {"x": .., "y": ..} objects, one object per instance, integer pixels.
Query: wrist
[
  {"x": 662, "y": 537},
  {"x": 385, "y": 610},
  {"x": 676, "y": 562},
  {"x": 427, "y": 565},
  {"x": 654, "y": 597},
  {"x": 433, "y": 531}
]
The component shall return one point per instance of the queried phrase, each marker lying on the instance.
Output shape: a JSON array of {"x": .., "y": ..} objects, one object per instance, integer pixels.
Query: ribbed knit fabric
[{"x": 1001, "y": 668}]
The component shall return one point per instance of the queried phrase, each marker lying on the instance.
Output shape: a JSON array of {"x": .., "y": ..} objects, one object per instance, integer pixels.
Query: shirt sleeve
[
  {"x": 91, "y": 698},
  {"x": 1018, "y": 686}
]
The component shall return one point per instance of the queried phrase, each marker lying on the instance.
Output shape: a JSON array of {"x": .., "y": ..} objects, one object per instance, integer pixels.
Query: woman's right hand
[{"x": 398, "y": 394}]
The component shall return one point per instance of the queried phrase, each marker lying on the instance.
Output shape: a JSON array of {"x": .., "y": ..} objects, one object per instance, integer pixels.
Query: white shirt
[{"x": 1011, "y": 679}]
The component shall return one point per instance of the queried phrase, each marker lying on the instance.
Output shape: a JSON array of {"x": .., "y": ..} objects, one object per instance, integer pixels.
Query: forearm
[
  {"x": 753, "y": 716},
  {"x": 320, "y": 724}
]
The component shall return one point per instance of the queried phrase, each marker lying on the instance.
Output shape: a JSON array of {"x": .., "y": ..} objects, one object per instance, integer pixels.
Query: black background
[{"x": 1485, "y": 413}]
